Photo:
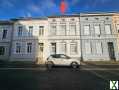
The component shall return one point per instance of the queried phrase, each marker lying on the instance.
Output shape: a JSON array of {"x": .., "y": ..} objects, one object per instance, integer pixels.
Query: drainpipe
[{"x": 80, "y": 39}]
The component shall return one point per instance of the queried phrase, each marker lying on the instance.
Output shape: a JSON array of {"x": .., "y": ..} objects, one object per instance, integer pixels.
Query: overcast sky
[{"x": 39, "y": 8}]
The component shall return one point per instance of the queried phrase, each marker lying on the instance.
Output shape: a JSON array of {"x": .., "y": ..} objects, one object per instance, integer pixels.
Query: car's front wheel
[
  {"x": 74, "y": 64},
  {"x": 49, "y": 64}
]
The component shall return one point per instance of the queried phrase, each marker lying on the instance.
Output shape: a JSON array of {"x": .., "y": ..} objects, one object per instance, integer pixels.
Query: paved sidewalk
[{"x": 101, "y": 65}]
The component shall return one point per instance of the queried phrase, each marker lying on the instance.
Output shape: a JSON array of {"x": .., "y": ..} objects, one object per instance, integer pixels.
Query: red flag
[{"x": 63, "y": 6}]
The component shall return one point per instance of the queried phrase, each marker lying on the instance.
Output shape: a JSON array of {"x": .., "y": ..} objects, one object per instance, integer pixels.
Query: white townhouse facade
[
  {"x": 98, "y": 37},
  {"x": 6, "y": 28},
  {"x": 64, "y": 35},
  {"x": 29, "y": 36},
  {"x": 85, "y": 36}
]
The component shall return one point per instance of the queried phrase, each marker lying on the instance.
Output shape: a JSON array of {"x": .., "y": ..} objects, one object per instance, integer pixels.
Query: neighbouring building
[
  {"x": 98, "y": 39},
  {"x": 85, "y": 36},
  {"x": 6, "y": 29},
  {"x": 115, "y": 20},
  {"x": 29, "y": 37}
]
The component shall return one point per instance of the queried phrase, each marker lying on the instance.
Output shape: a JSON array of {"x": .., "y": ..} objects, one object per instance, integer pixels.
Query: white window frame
[
  {"x": 18, "y": 48},
  {"x": 63, "y": 47},
  {"x": 86, "y": 29},
  {"x": 29, "y": 47},
  {"x": 108, "y": 29},
  {"x": 73, "y": 48},
  {"x": 97, "y": 29},
  {"x": 87, "y": 47},
  {"x": 53, "y": 48},
  {"x": 62, "y": 30},
  {"x": 72, "y": 30},
  {"x": 53, "y": 29},
  {"x": 20, "y": 31},
  {"x": 41, "y": 30},
  {"x": 98, "y": 47},
  {"x": 30, "y": 31}
]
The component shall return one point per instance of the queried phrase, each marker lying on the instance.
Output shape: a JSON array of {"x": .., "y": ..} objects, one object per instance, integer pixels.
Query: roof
[
  {"x": 65, "y": 15},
  {"x": 28, "y": 18},
  {"x": 98, "y": 14},
  {"x": 6, "y": 22}
]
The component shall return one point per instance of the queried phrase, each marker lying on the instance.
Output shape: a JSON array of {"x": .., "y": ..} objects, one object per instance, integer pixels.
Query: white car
[{"x": 62, "y": 60}]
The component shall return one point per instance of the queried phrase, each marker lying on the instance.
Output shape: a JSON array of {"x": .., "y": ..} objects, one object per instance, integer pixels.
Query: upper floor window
[
  {"x": 30, "y": 31},
  {"x": 29, "y": 47},
  {"x": 20, "y": 31},
  {"x": 62, "y": 30},
  {"x": 2, "y": 50},
  {"x": 4, "y": 34},
  {"x": 97, "y": 29},
  {"x": 108, "y": 29},
  {"x": 86, "y": 29},
  {"x": 72, "y": 29},
  {"x": 41, "y": 30},
  {"x": 53, "y": 30},
  {"x": 18, "y": 47}
]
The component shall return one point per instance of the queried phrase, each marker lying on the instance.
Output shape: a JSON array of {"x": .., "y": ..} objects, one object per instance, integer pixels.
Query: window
[
  {"x": 62, "y": 30},
  {"x": 97, "y": 29},
  {"x": 18, "y": 47},
  {"x": 63, "y": 48},
  {"x": 99, "y": 48},
  {"x": 87, "y": 48},
  {"x": 73, "y": 48},
  {"x": 53, "y": 48},
  {"x": 4, "y": 34},
  {"x": 108, "y": 29},
  {"x": 118, "y": 28},
  {"x": 20, "y": 31},
  {"x": 2, "y": 50},
  {"x": 29, "y": 47},
  {"x": 86, "y": 30},
  {"x": 30, "y": 32},
  {"x": 41, "y": 30},
  {"x": 53, "y": 30},
  {"x": 73, "y": 29}
]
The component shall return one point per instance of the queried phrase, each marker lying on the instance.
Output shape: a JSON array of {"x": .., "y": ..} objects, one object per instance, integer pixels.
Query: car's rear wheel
[
  {"x": 49, "y": 64},
  {"x": 74, "y": 65}
]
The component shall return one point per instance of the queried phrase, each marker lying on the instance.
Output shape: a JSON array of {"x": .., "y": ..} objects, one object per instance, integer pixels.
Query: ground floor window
[
  {"x": 29, "y": 47},
  {"x": 18, "y": 47},
  {"x": 63, "y": 48},
  {"x": 73, "y": 48},
  {"x": 53, "y": 48},
  {"x": 87, "y": 48},
  {"x": 2, "y": 50},
  {"x": 99, "y": 48}
]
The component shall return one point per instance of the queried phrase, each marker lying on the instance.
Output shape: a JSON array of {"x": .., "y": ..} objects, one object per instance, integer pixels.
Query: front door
[
  {"x": 111, "y": 50},
  {"x": 41, "y": 49}
]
